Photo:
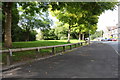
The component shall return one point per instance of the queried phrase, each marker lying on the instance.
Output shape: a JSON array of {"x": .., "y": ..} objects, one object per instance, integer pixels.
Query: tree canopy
[
  {"x": 80, "y": 17},
  {"x": 77, "y": 13}
]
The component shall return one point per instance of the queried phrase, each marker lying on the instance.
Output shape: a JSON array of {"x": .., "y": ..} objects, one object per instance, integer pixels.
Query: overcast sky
[{"x": 108, "y": 18}]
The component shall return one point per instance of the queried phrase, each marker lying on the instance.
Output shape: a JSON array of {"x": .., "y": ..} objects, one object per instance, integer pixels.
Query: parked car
[
  {"x": 114, "y": 39},
  {"x": 118, "y": 39},
  {"x": 109, "y": 39},
  {"x": 103, "y": 39}
]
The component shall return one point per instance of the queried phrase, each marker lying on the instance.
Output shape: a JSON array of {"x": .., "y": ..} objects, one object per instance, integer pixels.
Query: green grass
[
  {"x": 27, "y": 55},
  {"x": 41, "y": 43}
]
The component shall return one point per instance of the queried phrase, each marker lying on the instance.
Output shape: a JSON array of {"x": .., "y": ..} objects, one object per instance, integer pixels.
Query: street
[
  {"x": 114, "y": 44},
  {"x": 97, "y": 60}
]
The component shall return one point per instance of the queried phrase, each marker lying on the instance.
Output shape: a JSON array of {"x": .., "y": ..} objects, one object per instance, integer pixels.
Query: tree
[
  {"x": 61, "y": 30},
  {"x": 31, "y": 20},
  {"x": 66, "y": 18},
  {"x": 0, "y": 23},
  {"x": 29, "y": 8},
  {"x": 83, "y": 8},
  {"x": 97, "y": 34},
  {"x": 7, "y": 8},
  {"x": 15, "y": 29},
  {"x": 49, "y": 34},
  {"x": 79, "y": 29}
]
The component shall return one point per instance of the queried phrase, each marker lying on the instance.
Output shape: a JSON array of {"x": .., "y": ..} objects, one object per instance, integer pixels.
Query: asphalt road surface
[
  {"x": 113, "y": 44},
  {"x": 97, "y": 60}
]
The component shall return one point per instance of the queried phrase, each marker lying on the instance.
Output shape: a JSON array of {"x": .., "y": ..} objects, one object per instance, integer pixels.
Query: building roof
[{"x": 109, "y": 28}]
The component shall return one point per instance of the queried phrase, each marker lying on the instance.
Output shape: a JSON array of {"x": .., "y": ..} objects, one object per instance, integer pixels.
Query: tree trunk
[
  {"x": 83, "y": 36},
  {"x": 79, "y": 36},
  {"x": 68, "y": 35},
  {"x": 76, "y": 35},
  {"x": 27, "y": 35},
  {"x": 8, "y": 21}
]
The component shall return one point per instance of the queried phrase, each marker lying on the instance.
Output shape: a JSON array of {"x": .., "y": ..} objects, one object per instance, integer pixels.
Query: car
[
  {"x": 109, "y": 39},
  {"x": 114, "y": 39},
  {"x": 118, "y": 39},
  {"x": 103, "y": 39}
]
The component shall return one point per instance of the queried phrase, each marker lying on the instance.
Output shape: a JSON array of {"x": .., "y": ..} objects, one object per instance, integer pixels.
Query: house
[
  {"x": 119, "y": 21},
  {"x": 111, "y": 32}
]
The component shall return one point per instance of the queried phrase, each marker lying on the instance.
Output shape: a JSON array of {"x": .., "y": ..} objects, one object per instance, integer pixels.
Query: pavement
[
  {"x": 114, "y": 44},
  {"x": 96, "y": 60}
]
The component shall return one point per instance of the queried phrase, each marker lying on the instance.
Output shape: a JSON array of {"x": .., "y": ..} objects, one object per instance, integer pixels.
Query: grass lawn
[
  {"x": 40, "y": 43},
  {"x": 27, "y": 55}
]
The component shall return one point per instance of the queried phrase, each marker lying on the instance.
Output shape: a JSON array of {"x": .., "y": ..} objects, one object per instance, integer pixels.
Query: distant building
[
  {"x": 111, "y": 32},
  {"x": 119, "y": 30},
  {"x": 119, "y": 21}
]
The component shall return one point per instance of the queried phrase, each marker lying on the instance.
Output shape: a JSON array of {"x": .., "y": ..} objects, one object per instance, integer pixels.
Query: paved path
[{"x": 94, "y": 61}]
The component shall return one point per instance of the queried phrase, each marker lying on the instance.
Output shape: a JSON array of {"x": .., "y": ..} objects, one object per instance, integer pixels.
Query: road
[
  {"x": 96, "y": 60},
  {"x": 113, "y": 44}
]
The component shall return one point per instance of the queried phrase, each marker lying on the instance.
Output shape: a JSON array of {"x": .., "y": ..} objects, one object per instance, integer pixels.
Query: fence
[{"x": 10, "y": 51}]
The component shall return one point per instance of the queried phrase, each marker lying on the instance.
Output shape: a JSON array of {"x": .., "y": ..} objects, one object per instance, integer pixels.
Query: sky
[{"x": 108, "y": 18}]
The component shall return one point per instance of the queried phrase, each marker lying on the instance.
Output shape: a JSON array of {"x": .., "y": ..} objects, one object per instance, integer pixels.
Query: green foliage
[
  {"x": 31, "y": 8},
  {"x": 40, "y": 43},
  {"x": 17, "y": 32},
  {"x": 39, "y": 36},
  {"x": 27, "y": 16},
  {"x": 97, "y": 34},
  {"x": 19, "y": 35},
  {"x": 61, "y": 31},
  {"x": 49, "y": 34},
  {"x": 38, "y": 18},
  {"x": 81, "y": 17},
  {"x": 77, "y": 14},
  {"x": 34, "y": 14},
  {"x": 0, "y": 11}
]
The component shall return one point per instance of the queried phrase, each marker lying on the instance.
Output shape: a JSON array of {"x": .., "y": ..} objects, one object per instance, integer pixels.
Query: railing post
[
  {"x": 75, "y": 45},
  {"x": 38, "y": 50},
  {"x": 81, "y": 43},
  {"x": 9, "y": 58},
  {"x": 53, "y": 50},
  {"x": 85, "y": 42},
  {"x": 78, "y": 44},
  {"x": 63, "y": 48},
  {"x": 70, "y": 47}
]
